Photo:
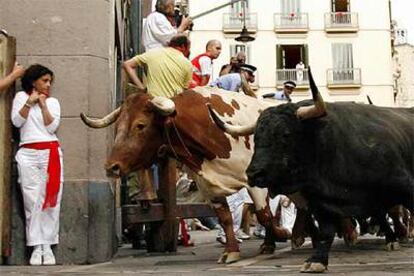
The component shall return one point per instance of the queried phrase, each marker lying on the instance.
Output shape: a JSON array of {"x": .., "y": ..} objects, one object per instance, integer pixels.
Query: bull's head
[
  {"x": 139, "y": 132},
  {"x": 279, "y": 141}
]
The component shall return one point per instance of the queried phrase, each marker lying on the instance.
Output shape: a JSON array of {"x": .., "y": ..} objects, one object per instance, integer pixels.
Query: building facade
[
  {"x": 403, "y": 75},
  {"x": 346, "y": 43}
]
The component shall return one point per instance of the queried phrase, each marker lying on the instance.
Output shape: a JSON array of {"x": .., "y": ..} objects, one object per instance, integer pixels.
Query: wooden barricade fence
[
  {"x": 7, "y": 58},
  {"x": 164, "y": 216}
]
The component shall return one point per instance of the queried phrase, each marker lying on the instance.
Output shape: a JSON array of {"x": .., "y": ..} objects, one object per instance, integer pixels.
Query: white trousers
[
  {"x": 236, "y": 202},
  {"x": 42, "y": 226}
]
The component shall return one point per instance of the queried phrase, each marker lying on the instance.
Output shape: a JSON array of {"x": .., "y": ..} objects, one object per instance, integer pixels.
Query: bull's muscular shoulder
[{"x": 194, "y": 122}]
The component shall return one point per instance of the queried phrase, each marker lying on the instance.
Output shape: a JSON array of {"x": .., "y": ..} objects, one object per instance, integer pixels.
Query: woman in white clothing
[{"x": 39, "y": 160}]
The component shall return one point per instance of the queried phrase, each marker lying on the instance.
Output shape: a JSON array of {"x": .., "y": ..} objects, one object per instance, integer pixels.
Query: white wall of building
[
  {"x": 370, "y": 44},
  {"x": 405, "y": 83}
]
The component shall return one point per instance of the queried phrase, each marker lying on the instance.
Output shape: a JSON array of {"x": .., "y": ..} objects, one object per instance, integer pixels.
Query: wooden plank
[
  {"x": 119, "y": 29},
  {"x": 163, "y": 235},
  {"x": 7, "y": 59}
]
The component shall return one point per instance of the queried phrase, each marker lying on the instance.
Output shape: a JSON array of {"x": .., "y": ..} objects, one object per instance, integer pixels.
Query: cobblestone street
[{"x": 368, "y": 257}]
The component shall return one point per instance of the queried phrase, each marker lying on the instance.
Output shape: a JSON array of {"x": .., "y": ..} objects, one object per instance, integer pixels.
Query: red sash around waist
[{"x": 53, "y": 171}]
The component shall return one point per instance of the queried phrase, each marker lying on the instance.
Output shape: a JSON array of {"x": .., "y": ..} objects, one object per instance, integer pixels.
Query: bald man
[{"x": 203, "y": 64}]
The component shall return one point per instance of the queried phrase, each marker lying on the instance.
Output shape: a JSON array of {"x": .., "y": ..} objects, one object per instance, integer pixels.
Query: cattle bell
[{"x": 244, "y": 36}]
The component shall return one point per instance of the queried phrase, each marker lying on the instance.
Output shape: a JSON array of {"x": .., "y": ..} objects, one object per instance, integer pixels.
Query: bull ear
[{"x": 163, "y": 105}]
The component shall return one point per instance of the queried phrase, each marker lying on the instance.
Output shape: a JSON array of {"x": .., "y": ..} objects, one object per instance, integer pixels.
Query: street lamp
[{"x": 244, "y": 35}]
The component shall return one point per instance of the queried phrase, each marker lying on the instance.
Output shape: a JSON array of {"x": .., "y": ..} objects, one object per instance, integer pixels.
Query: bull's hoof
[
  {"x": 373, "y": 229},
  {"x": 391, "y": 246},
  {"x": 351, "y": 240},
  {"x": 297, "y": 242},
  {"x": 309, "y": 267},
  {"x": 267, "y": 249},
  {"x": 222, "y": 258},
  {"x": 232, "y": 257}
]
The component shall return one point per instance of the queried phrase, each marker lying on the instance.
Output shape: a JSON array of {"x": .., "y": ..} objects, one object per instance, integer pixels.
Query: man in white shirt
[
  {"x": 203, "y": 64},
  {"x": 158, "y": 30},
  {"x": 299, "y": 71}
]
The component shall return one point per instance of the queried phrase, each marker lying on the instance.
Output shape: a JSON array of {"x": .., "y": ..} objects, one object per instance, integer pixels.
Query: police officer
[{"x": 284, "y": 95}]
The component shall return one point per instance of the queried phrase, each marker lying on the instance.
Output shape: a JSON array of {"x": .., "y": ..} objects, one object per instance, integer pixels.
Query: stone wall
[{"x": 74, "y": 38}]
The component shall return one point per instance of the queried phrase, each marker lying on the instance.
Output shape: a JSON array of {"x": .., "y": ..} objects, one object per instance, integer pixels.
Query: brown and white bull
[{"x": 217, "y": 160}]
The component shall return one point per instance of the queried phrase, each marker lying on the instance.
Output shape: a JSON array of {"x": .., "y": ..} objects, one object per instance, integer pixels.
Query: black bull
[
  {"x": 355, "y": 161},
  {"x": 346, "y": 160}
]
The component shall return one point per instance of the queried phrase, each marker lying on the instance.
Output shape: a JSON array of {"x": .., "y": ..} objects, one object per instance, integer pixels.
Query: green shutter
[{"x": 279, "y": 57}]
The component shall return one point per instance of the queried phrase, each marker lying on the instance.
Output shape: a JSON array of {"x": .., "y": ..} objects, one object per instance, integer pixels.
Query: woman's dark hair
[
  {"x": 179, "y": 41},
  {"x": 33, "y": 73}
]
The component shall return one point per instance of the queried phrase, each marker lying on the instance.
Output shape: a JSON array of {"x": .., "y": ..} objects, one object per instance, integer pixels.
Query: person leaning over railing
[{"x": 39, "y": 161}]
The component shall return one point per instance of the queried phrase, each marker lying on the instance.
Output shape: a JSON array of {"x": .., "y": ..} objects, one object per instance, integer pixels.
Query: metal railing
[
  {"x": 232, "y": 21},
  {"x": 299, "y": 76},
  {"x": 289, "y": 21},
  {"x": 344, "y": 76},
  {"x": 341, "y": 20}
]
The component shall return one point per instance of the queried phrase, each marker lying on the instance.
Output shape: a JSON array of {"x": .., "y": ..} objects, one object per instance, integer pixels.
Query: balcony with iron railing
[
  {"x": 344, "y": 77},
  {"x": 337, "y": 22},
  {"x": 233, "y": 23},
  {"x": 291, "y": 22},
  {"x": 299, "y": 76}
]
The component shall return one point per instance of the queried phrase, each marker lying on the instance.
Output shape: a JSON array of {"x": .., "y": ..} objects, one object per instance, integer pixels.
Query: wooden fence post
[
  {"x": 7, "y": 58},
  {"x": 162, "y": 236}
]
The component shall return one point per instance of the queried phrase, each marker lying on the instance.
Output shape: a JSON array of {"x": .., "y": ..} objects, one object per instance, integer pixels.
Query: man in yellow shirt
[{"x": 168, "y": 69}]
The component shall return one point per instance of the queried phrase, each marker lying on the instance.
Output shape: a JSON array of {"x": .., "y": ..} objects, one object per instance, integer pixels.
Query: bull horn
[
  {"x": 163, "y": 105},
  {"x": 100, "y": 123},
  {"x": 369, "y": 100},
  {"x": 231, "y": 129},
  {"x": 316, "y": 110}
]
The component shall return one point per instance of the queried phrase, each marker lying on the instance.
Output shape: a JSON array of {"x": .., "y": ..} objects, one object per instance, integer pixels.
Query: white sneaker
[
  {"x": 36, "y": 258},
  {"x": 261, "y": 234},
  {"x": 241, "y": 235},
  {"x": 223, "y": 240},
  {"x": 49, "y": 258}
]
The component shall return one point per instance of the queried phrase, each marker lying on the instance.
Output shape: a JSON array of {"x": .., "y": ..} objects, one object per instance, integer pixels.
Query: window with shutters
[
  {"x": 341, "y": 18},
  {"x": 292, "y": 63},
  {"x": 233, "y": 21},
  {"x": 290, "y": 17},
  {"x": 236, "y": 48},
  {"x": 343, "y": 71}
]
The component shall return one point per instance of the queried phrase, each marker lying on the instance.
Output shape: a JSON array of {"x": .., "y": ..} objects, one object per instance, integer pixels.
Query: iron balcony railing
[
  {"x": 291, "y": 21},
  {"x": 299, "y": 76},
  {"x": 233, "y": 21},
  {"x": 341, "y": 21},
  {"x": 344, "y": 76}
]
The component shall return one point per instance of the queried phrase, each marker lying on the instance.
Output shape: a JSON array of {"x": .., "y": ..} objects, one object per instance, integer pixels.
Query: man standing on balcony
[
  {"x": 203, "y": 64},
  {"x": 299, "y": 71},
  {"x": 284, "y": 95}
]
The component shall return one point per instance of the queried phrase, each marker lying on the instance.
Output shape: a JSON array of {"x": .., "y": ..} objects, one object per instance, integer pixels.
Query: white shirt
[
  {"x": 33, "y": 129},
  {"x": 157, "y": 31},
  {"x": 206, "y": 66}
]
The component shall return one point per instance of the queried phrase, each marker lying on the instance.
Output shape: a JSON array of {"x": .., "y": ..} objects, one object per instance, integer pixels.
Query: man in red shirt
[{"x": 203, "y": 64}]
